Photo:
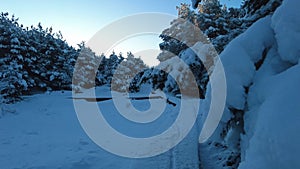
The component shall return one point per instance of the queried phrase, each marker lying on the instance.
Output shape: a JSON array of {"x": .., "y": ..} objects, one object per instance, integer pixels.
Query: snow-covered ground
[
  {"x": 44, "y": 133},
  {"x": 258, "y": 130}
]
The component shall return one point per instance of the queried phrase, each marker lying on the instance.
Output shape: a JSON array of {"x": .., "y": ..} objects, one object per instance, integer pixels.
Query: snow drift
[{"x": 259, "y": 126}]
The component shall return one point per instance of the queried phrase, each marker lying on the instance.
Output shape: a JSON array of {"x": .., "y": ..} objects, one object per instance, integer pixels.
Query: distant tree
[
  {"x": 85, "y": 68},
  {"x": 101, "y": 78},
  {"x": 111, "y": 65},
  {"x": 158, "y": 79},
  {"x": 126, "y": 72}
]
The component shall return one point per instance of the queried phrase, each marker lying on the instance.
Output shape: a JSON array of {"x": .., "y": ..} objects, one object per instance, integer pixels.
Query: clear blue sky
[{"x": 79, "y": 20}]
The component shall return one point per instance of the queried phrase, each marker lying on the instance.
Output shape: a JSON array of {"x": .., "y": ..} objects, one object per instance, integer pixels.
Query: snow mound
[
  {"x": 275, "y": 140},
  {"x": 285, "y": 23},
  {"x": 239, "y": 60},
  {"x": 261, "y": 117},
  {"x": 272, "y": 119}
]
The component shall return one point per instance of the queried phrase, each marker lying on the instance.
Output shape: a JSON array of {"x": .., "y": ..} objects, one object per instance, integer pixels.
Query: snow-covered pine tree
[
  {"x": 211, "y": 7},
  {"x": 126, "y": 72},
  {"x": 11, "y": 63},
  {"x": 109, "y": 66},
  {"x": 181, "y": 34},
  {"x": 145, "y": 77},
  {"x": 218, "y": 23},
  {"x": 101, "y": 78},
  {"x": 33, "y": 59},
  {"x": 226, "y": 142},
  {"x": 256, "y": 9},
  {"x": 85, "y": 69}
]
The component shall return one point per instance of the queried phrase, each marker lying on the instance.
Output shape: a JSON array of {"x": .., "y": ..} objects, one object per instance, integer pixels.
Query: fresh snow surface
[
  {"x": 239, "y": 58},
  {"x": 272, "y": 123},
  {"x": 44, "y": 133},
  {"x": 285, "y": 23},
  {"x": 272, "y": 120}
]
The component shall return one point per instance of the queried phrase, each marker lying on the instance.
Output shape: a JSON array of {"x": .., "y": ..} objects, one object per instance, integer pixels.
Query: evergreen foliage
[
  {"x": 127, "y": 73},
  {"x": 32, "y": 60}
]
